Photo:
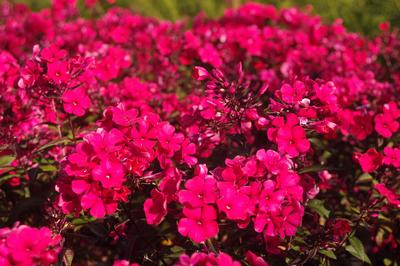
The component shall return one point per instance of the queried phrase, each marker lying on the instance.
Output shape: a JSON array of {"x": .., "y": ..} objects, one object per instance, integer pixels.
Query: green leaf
[
  {"x": 356, "y": 248},
  {"x": 48, "y": 168},
  {"x": 6, "y": 160},
  {"x": 315, "y": 169},
  {"x": 62, "y": 141},
  {"x": 68, "y": 257},
  {"x": 328, "y": 253},
  {"x": 318, "y": 206}
]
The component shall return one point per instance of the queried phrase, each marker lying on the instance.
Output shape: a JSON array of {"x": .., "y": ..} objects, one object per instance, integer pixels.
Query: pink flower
[
  {"x": 168, "y": 139},
  {"x": 341, "y": 227},
  {"x": 125, "y": 117},
  {"x": 369, "y": 161},
  {"x": 271, "y": 198},
  {"x": 392, "y": 156},
  {"x": 75, "y": 102},
  {"x": 294, "y": 94},
  {"x": 155, "y": 208},
  {"x": 385, "y": 125},
  {"x": 98, "y": 207},
  {"x": 52, "y": 53},
  {"x": 124, "y": 263},
  {"x": 200, "y": 73},
  {"x": 273, "y": 161},
  {"x": 109, "y": 173},
  {"x": 286, "y": 223},
  {"x": 208, "y": 54},
  {"x": 144, "y": 135},
  {"x": 255, "y": 260},
  {"x": 58, "y": 72},
  {"x": 189, "y": 149},
  {"x": 202, "y": 259},
  {"x": 103, "y": 143},
  {"x": 234, "y": 203},
  {"x": 291, "y": 138},
  {"x": 199, "y": 223},
  {"x": 200, "y": 190},
  {"x": 25, "y": 246},
  {"x": 390, "y": 195}
]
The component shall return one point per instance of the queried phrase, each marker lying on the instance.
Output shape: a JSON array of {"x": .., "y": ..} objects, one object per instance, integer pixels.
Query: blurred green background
[{"x": 359, "y": 15}]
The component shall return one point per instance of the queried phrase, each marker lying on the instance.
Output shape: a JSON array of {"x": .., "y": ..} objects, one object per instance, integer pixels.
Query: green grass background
[{"x": 359, "y": 15}]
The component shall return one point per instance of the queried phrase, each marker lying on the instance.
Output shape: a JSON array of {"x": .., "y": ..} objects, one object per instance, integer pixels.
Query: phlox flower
[
  {"x": 293, "y": 94},
  {"x": 273, "y": 161},
  {"x": 98, "y": 205},
  {"x": 369, "y": 161},
  {"x": 75, "y": 102},
  {"x": 291, "y": 138},
  {"x": 200, "y": 191},
  {"x": 234, "y": 203},
  {"x": 271, "y": 198},
  {"x": 169, "y": 140},
  {"x": 391, "y": 196},
  {"x": 203, "y": 259},
  {"x": 109, "y": 173},
  {"x": 199, "y": 224},
  {"x": 392, "y": 156},
  {"x": 25, "y": 246},
  {"x": 155, "y": 208},
  {"x": 385, "y": 125},
  {"x": 58, "y": 72}
]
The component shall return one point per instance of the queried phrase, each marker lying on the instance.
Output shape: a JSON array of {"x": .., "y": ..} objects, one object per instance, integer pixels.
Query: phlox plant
[{"x": 263, "y": 137}]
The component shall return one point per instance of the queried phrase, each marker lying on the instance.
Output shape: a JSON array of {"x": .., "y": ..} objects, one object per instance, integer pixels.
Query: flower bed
[{"x": 262, "y": 137}]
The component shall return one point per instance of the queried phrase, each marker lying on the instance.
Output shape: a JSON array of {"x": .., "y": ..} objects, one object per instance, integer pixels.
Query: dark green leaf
[
  {"x": 328, "y": 253},
  {"x": 356, "y": 248},
  {"x": 62, "y": 141},
  {"x": 318, "y": 206},
  {"x": 6, "y": 160}
]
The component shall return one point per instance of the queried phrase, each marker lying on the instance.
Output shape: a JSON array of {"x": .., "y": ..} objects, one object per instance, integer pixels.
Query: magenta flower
[
  {"x": 168, "y": 139},
  {"x": 385, "y": 125},
  {"x": 369, "y": 161},
  {"x": 208, "y": 54},
  {"x": 144, "y": 135},
  {"x": 188, "y": 150},
  {"x": 391, "y": 196},
  {"x": 273, "y": 161},
  {"x": 392, "y": 156},
  {"x": 75, "y": 102},
  {"x": 200, "y": 190},
  {"x": 58, "y": 72},
  {"x": 97, "y": 206},
  {"x": 103, "y": 143},
  {"x": 23, "y": 246},
  {"x": 286, "y": 222},
  {"x": 52, "y": 53},
  {"x": 255, "y": 260},
  {"x": 155, "y": 208},
  {"x": 125, "y": 118},
  {"x": 294, "y": 94},
  {"x": 202, "y": 259},
  {"x": 232, "y": 202},
  {"x": 200, "y": 73},
  {"x": 199, "y": 223},
  {"x": 271, "y": 198},
  {"x": 291, "y": 138},
  {"x": 109, "y": 173}
]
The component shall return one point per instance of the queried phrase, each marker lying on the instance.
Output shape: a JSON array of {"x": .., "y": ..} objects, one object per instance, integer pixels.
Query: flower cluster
[
  {"x": 261, "y": 137},
  {"x": 23, "y": 245}
]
